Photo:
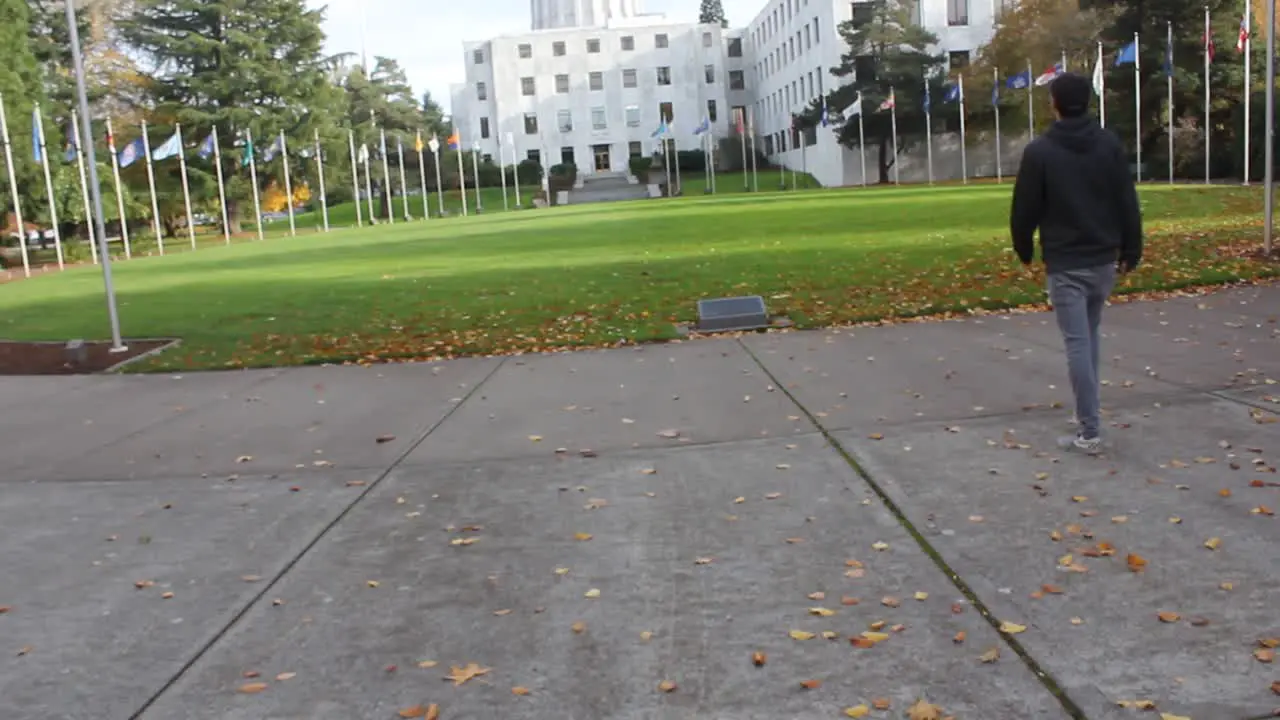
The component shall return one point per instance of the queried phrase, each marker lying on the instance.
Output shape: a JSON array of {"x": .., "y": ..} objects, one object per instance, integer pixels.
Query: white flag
[
  {"x": 1097, "y": 76},
  {"x": 853, "y": 110},
  {"x": 363, "y": 156}
]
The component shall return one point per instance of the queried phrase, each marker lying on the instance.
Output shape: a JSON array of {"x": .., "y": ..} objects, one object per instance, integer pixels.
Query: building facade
[{"x": 595, "y": 79}]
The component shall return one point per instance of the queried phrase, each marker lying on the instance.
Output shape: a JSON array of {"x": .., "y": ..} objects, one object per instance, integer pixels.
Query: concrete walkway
[{"x": 587, "y": 526}]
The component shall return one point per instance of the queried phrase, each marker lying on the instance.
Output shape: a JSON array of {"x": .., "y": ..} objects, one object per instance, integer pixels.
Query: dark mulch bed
[{"x": 52, "y": 358}]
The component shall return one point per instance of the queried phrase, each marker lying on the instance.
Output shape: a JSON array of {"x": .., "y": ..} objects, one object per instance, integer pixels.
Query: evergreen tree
[
  {"x": 712, "y": 13},
  {"x": 235, "y": 66},
  {"x": 383, "y": 101},
  {"x": 893, "y": 52},
  {"x": 21, "y": 84}
]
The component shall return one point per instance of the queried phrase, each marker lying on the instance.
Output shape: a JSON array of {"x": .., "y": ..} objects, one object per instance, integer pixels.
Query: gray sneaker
[{"x": 1079, "y": 443}]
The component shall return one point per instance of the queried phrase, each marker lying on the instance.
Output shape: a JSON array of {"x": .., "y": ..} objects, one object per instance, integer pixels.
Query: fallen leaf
[
  {"x": 417, "y": 711},
  {"x": 758, "y": 658},
  {"x": 460, "y": 675},
  {"x": 922, "y": 596},
  {"x": 251, "y": 688},
  {"x": 244, "y": 459},
  {"x": 880, "y": 546},
  {"x": 143, "y": 584},
  {"x": 1270, "y": 642},
  {"x": 875, "y": 637},
  {"x": 1225, "y": 492},
  {"x": 535, "y": 438},
  {"x": 583, "y": 537},
  {"x": 703, "y": 561},
  {"x": 821, "y": 612},
  {"x": 830, "y": 635},
  {"x": 857, "y": 711},
  {"x": 1136, "y": 562},
  {"x": 848, "y": 600},
  {"x": 592, "y": 594},
  {"x": 855, "y": 573},
  {"x": 1168, "y": 616},
  {"x": 1177, "y": 463},
  {"x": 1066, "y": 560},
  {"x": 251, "y": 578},
  {"x": 669, "y": 434},
  {"x": 801, "y": 635},
  {"x": 881, "y": 703},
  {"x": 381, "y": 439},
  {"x": 520, "y": 690},
  {"x": 355, "y": 483},
  {"x": 646, "y": 636},
  {"x": 959, "y": 637},
  {"x": 861, "y": 642},
  {"x": 1051, "y": 589},
  {"x": 1077, "y": 621},
  {"x": 25, "y": 650},
  {"x": 924, "y": 711},
  {"x": 773, "y": 496},
  {"x": 739, "y": 500},
  {"x": 890, "y": 601},
  {"x": 463, "y": 541},
  {"x": 425, "y": 664},
  {"x": 795, "y": 541},
  {"x": 810, "y": 684},
  {"x": 1118, "y": 519},
  {"x": 1171, "y": 716},
  {"x": 4, "y": 609},
  {"x": 1263, "y": 510},
  {"x": 1228, "y": 586},
  {"x": 666, "y": 686},
  {"x": 372, "y": 583},
  {"x": 286, "y": 676},
  {"x": 853, "y": 563},
  {"x": 1138, "y": 704},
  {"x": 956, "y": 608},
  {"x": 502, "y": 613},
  {"x": 1175, "y": 520},
  {"x": 1011, "y": 627},
  {"x": 578, "y": 627},
  {"x": 1264, "y": 655},
  {"x": 1275, "y": 687},
  {"x": 1200, "y": 621},
  {"x": 991, "y": 655},
  {"x": 250, "y": 674},
  {"x": 1055, "y": 536},
  {"x": 817, "y": 595},
  {"x": 783, "y": 466},
  {"x": 877, "y": 625},
  {"x": 1079, "y": 498},
  {"x": 876, "y": 436},
  {"x": 1213, "y": 543},
  {"x": 976, "y": 518}
]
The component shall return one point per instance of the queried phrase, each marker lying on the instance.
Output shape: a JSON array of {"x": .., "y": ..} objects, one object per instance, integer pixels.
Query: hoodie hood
[{"x": 1079, "y": 135}]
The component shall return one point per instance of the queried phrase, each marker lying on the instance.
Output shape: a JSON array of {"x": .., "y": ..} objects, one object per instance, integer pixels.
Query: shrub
[{"x": 640, "y": 167}]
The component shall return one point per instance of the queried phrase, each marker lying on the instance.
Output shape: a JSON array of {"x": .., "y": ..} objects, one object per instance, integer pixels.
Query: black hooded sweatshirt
[{"x": 1074, "y": 185}]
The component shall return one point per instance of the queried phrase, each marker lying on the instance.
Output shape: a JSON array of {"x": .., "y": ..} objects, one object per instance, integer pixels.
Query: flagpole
[
  {"x": 1269, "y": 118},
  {"x": 253, "y": 178},
  {"x": 404, "y": 188},
  {"x": 288, "y": 185},
  {"x": 1169, "y": 84},
  {"x": 48, "y": 185},
  {"x": 151, "y": 182},
  {"x": 742, "y": 137},
  {"x": 515, "y": 167},
  {"x": 355, "y": 175},
  {"x": 711, "y": 154},
  {"x": 893, "y": 121},
  {"x": 1248, "y": 83},
  {"x": 804, "y": 158},
  {"x": 1137, "y": 103},
  {"x": 1102, "y": 89},
  {"x": 675, "y": 150},
  {"x": 666, "y": 164},
  {"x": 862, "y": 143},
  {"x": 706, "y": 166},
  {"x": 324, "y": 205},
  {"x": 751, "y": 135},
  {"x": 964, "y": 160},
  {"x": 386, "y": 177},
  {"x": 115, "y": 170},
  {"x": 928, "y": 132},
  {"x": 1031, "y": 102},
  {"x": 1207, "y": 128},
  {"x": 995, "y": 101},
  {"x": 222, "y": 192},
  {"x": 13, "y": 190},
  {"x": 502, "y": 168},
  {"x": 435, "y": 151},
  {"x": 422, "y": 175},
  {"x": 475, "y": 174},
  {"x": 186, "y": 188},
  {"x": 84, "y": 185},
  {"x": 462, "y": 174},
  {"x": 368, "y": 185}
]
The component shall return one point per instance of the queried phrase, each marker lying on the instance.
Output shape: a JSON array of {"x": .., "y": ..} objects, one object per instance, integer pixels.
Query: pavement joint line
[
  {"x": 1040, "y": 673},
  {"x": 292, "y": 562},
  {"x": 1221, "y": 395}
]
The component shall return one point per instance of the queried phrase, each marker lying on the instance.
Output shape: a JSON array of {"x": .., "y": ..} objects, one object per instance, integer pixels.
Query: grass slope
[{"x": 597, "y": 274}]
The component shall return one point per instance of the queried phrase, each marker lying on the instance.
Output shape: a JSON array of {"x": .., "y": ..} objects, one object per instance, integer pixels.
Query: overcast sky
[{"x": 428, "y": 44}]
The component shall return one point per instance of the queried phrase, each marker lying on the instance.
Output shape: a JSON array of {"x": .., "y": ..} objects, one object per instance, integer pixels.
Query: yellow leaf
[
  {"x": 821, "y": 612},
  {"x": 417, "y": 711},
  {"x": 1136, "y": 562},
  {"x": 801, "y": 635},
  {"x": 578, "y": 627},
  {"x": 876, "y": 436},
  {"x": 462, "y": 541},
  {"x": 582, "y": 536},
  {"x": 1011, "y": 628},
  {"x": 562, "y": 571},
  {"x": 520, "y": 690},
  {"x": 666, "y": 686},
  {"x": 880, "y": 546},
  {"x": 890, "y": 601},
  {"x": 739, "y": 500},
  {"x": 817, "y": 595},
  {"x": 875, "y": 637},
  {"x": 1079, "y": 498},
  {"x": 1228, "y": 586},
  {"x": 991, "y": 655},
  {"x": 286, "y": 676},
  {"x": 1213, "y": 543},
  {"x": 593, "y": 593},
  {"x": 1066, "y": 560},
  {"x": 1171, "y": 716},
  {"x": 502, "y": 613},
  {"x": 460, "y": 675},
  {"x": 857, "y": 711},
  {"x": 829, "y": 635},
  {"x": 1167, "y": 616},
  {"x": 1175, "y": 520},
  {"x": 372, "y": 583},
  {"x": 427, "y": 664},
  {"x": 923, "y": 711},
  {"x": 1077, "y": 621},
  {"x": 1264, "y": 655},
  {"x": 922, "y": 596},
  {"x": 252, "y": 688},
  {"x": 646, "y": 636}
]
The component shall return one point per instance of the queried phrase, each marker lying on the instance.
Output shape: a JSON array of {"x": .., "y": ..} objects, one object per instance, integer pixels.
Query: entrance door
[{"x": 601, "y": 153}]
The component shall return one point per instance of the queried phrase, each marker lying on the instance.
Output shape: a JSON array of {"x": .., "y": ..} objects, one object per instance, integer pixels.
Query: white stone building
[{"x": 593, "y": 80}]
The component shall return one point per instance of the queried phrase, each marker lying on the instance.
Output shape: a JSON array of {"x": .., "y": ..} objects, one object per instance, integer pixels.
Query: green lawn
[{"x": 592, "y": 275}]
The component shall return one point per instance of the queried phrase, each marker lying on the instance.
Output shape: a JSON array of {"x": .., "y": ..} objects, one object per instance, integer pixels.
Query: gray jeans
[{"x": 1078, "y": 297}]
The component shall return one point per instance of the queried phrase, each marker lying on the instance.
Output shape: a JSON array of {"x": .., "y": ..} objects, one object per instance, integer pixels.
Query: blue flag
[
  {"x": 928, "y": 101},
  {"x": 1128, "y": 54},
  {"x": 952, "y": 94},
  {"x": 1021, "y": 81},
  {"x": 171, "y": 148},
  {"x": 826, "y": 117},
  {"x": 72, "y": 148},
  {"x": 205, "y": 151},
  {"x": 1168, "y": 59},
  {"x": 995, "y": 94},
  {"x": 270, "y": 153},
  {"x": 35, "y": 137},
  {"x": 703, "y": 127},
  {"x": 131, "y": 153},
  {"x": 662, "y": 129}
]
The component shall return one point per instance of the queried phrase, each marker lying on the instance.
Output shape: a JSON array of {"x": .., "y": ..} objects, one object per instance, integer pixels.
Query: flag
[
  {"x": 36, "y": 140},
  {"x": 888, "y": 103},
  {"x": 205, "y": 151},
  {"x": 247, "y": 156},
  {"x": 1049, "y": 74},
  {"x": 1243, "y": 38},
  {"x": 1097, "y": 75},
  {"x": 363, "y": 155},
  {"x": 71, "y": 149},
  {"x": 825, "y": 120},
  {"x": 1020, "y": 81},
  {"x": 928, "y": 99},
  {"x": 853, "y": 110},
  {"x": 1209, "y": 48},
  {"x": 276, "y": 147},
  {"x": 417, "y": 143},
  {"x": 738, "y": 122},
  {"x": 703, "y": 127},
  {"x": 952, "y": 94},
  {"x": 455, "y": 140},
  {"x": 662, "y": 129},
  {"x": 1128, "y": 54},
  {"x": 171, "y": 148},
  {"x": 1168, "y": 56},
  {"x": 131, "y": 153},
  {"x": 995, "y": 95},
  {"x": 111, "y": 142}
]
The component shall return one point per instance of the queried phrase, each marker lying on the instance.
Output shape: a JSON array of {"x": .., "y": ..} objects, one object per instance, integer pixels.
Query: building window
[
  {"x": 564, "y": 121},
  {"x": 808, "y": 37},
  {"x": 557, "y": 48},
  {"x": 487, "y": 158},
  {"x": 482, "y": 91},
  {"x": 710, "y": 72},
  {"x": 593, "y": 45},
  {"x": 666, "y": 111},
  {"x": 562, "y": 84},
  {"x": 525, "y": 50},
  {"x": 735, "y": 47},
  {"x": 864, "y": 68},
  {"x": 957, "y": 12},
  {"x": 818, "y": 74},
  {"x": 534, "y": 156},
  {"x": 526, "y": 86},
  {"x": 566, "y": 155},
  {"x": 635, "y": 149},
  {"x": 664, "y": 75},
  {"x": 484, "y": 128},
  {"x": 706, "y": 39},
  {"x": 712, "y": 110},
  {"x": 530, "y": 123},
  {"x": 633, "y": 116},
  {"x": 629, "y": 79},
  {"x": 598, "y": 119},
  {"x": 660, "y": 40},
  {"x": 816, "y": 37},
  {"x": 595, "y": 81},
  {"x": 477, "y": 57},
  {"x": 736, "y": 80},
  {"x": 863, "y": 13},
  {"x": 958, "y": 59},
  {"x": 628, "y": 43}
]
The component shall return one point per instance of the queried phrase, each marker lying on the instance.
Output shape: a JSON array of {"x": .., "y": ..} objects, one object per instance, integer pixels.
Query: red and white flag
[
  {"x": 1209, "y": 50},
  {"x": 889, "y": 103},
  {"x": 1243, "y": 38}
]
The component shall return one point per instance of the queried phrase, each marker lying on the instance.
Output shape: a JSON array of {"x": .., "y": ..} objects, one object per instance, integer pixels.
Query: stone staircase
[{"x": 607, "y": 187}]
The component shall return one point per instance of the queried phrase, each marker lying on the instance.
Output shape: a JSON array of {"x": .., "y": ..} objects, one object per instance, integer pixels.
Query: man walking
[{"x": 1075, "y": 186}]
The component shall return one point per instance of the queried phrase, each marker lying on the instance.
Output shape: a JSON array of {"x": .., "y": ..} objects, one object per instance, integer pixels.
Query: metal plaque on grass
[{"x": 735, "y": 313}]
